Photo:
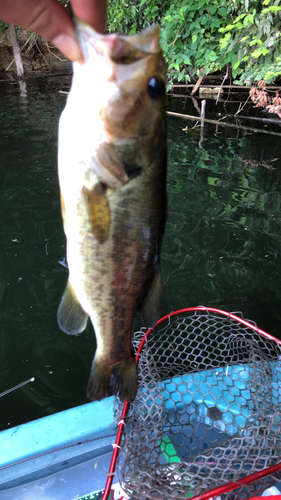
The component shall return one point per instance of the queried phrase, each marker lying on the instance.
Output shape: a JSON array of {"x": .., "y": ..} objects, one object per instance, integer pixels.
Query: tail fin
[{"x": 120, "y": 380}]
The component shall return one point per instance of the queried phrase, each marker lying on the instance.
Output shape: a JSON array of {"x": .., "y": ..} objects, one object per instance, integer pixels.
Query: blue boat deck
[{"x": 60, "y": 457}]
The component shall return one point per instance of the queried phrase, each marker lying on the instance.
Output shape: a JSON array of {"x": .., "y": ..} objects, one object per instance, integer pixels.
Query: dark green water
[{"x": 222, "y": 245}]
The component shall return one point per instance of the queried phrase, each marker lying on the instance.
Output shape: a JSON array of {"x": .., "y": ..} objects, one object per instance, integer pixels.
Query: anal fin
[
  {"x": 151, "y": 306},
  {"x": 72, "y": 319}
]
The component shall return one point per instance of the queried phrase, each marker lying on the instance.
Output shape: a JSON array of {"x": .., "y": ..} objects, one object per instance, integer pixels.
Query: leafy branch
[{"x": 204, "y": 36}]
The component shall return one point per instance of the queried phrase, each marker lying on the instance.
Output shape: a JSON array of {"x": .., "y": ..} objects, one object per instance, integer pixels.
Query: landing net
[{"x": 207, "y": 419}]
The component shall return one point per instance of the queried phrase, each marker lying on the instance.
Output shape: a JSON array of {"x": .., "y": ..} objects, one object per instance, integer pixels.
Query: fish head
[
  {"x": 126, "y": 77},
  {"x": 115, "y": 112}
]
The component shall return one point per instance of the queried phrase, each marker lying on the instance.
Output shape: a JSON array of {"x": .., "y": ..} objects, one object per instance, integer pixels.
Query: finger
[
  {"x": 47, "y": 18},
  {"x": 92, "y": 12}
]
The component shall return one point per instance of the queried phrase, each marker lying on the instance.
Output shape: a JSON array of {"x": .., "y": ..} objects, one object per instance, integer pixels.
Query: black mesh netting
[{"x": 207, "y": 411}]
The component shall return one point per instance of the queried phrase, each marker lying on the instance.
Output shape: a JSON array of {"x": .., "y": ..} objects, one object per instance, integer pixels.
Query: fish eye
[{"x": 156, "y": 88}]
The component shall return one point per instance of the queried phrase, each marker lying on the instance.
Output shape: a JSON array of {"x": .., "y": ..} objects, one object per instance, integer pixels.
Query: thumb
[{"x": 47, "y": 18}]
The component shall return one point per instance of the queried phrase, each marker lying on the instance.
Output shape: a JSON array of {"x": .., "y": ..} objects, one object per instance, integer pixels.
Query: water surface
[{"x": 222, "y": 245}]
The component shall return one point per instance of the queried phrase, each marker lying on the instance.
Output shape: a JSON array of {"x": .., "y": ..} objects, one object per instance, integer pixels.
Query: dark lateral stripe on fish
[
  {"x": 151, "y": 306},
  {"x": 98, "y": 211}
]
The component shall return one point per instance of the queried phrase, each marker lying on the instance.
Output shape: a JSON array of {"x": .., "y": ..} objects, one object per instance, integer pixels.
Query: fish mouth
[
  {"x": 122, "y": 49},
  {"x": 123, "y": 55}
]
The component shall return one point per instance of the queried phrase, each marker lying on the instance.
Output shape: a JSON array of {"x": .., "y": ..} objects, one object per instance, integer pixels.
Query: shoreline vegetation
[
  {"x": 37, "y": 54},
  {"x": 205, "y": 42}
]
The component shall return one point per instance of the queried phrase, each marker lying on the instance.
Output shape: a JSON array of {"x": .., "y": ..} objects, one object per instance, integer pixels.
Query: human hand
[{"x": 50, "y": 19}]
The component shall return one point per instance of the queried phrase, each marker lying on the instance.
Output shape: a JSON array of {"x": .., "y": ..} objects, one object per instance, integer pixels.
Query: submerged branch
[
  {"x": 256, "y": 118},
  {"x": 223, "y": 124},
  {"x": 222, "y": 84},
  {"x": 197, "y": 85},
  {"x": 235, "y": 87},
  {"x": 202, "y": 117}
]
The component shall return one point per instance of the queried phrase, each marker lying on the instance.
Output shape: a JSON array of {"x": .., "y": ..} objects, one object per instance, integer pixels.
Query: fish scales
[{"x": 112, "y": 172}]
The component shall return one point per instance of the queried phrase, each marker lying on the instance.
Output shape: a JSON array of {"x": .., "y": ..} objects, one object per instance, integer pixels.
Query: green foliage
[
  {"x": 131, "y": 16},
  {"x": 203, "y": 36},
  {"x": 190, "y": 37},
  {"x": 3, "y": 26},
  {"x": 124, "y": 16},
  {"x": 253, "y": 40}
]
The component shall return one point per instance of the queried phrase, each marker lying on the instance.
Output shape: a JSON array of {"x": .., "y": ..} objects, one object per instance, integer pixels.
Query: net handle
[
  {"x": 242, "y": 482},
  {"x": 222, "y": 489},
  {"x": 116, "y": 448}
]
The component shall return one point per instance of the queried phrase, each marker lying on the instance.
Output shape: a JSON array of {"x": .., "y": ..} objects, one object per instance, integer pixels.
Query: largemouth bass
[{"x": 112, "y": 174}]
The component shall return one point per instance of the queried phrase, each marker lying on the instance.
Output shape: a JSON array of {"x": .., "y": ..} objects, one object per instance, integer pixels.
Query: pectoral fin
[
  {"x": 71, "y": 317},
  {"x": 151, "y": 306},
  {"x": 98, "y": 211}
]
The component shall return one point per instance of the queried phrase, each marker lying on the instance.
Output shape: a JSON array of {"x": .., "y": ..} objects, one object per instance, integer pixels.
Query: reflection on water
[
  {"x": 223, "y": 231},
  {"x": 221, "y": 247}
]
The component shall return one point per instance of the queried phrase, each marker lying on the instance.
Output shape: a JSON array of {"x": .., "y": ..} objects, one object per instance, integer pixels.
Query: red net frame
[{"x": 221, "y": 489}]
